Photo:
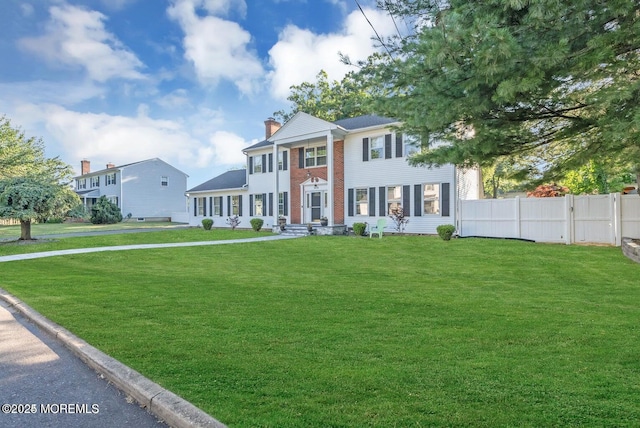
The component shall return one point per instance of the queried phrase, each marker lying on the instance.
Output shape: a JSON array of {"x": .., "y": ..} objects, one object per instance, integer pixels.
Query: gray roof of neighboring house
[
  {"x": 364, "y": 122},
  {"x": 234, "y": 179}
]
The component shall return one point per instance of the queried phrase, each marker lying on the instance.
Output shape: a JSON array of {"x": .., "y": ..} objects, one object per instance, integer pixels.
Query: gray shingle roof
[
  {"x": 263, "y": 143},
  {"x": 234, "y": 179},
  {"x": 363, "y": 122}
]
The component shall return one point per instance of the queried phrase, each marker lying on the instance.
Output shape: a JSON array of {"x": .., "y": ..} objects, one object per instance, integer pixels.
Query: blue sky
[{"x": 188, "y": 81}]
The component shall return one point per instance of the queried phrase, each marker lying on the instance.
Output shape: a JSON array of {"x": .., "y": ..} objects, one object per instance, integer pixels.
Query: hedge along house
[{"x": 351, "y": 170}]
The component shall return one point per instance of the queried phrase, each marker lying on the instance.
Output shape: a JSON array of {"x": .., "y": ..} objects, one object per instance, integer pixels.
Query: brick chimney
[
  {"x": 85, "y": 167},
  {"x": 271, "y": 126},
  {"x": 110, "y": 165}
]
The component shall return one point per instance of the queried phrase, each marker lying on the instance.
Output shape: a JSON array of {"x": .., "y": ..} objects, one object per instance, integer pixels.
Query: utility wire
[
  {"x": 374, "y": 30},
  {"x": 386, "y": 3}
]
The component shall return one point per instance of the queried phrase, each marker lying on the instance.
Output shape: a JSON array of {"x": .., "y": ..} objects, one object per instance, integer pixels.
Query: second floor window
[
  {"x": 164, "y": 181},
  {"x": 110, "y": 179},
  {"x": 257, "y": 164},
  {"x": 315, "y": 156},
  {"x": 94, "y": 181},
  {"x": 82, "y": 183}
]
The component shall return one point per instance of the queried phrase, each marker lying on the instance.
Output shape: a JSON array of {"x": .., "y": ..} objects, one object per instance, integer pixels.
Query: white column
[
  {"x": 276, "y": 184},
  {"x": 330, "y": 175}
]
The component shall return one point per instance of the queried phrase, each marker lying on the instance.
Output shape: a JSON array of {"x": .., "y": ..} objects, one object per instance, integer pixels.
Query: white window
[
  {"x": 431, "y": 198},
  {"x": 217, "y": 206},
  {"x": 81, "y": 183},
  {"x": 411, "y": 145},
  {"x": 94, "y": 181},
  {"x": 110, "y": 179},
  {"x": 362, "y": 202},
  {"x": 281, "y": 166},
  {"x": 394, "y": 198},
  {"x": 235, "y": 205},
  {"x": 202, "y": 205},
  {"x": 257, "y": 205},
  {"x": 113, "y": 199},
  {"x": 315, "y": 156},
  {"x": 257, "y": 164},
  {"x": 281, "y": 204},
  {"x": 376, "y": 148},
  {"x": 164, "y": 181}
]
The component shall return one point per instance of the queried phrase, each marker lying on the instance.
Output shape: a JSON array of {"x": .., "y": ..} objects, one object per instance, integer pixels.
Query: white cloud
[
  {"x": 104, "y": 138},
  {"x": 300, "y": 54},
  {"x": 217, "y": 48},
  {"x": 77, "y": 37},
  {"x": 225, "y": 149},
  {"x": 27, "y": 9}
]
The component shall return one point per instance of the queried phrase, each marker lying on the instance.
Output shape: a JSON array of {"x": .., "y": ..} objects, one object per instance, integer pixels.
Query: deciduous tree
[{"x": 32, "y": 186}]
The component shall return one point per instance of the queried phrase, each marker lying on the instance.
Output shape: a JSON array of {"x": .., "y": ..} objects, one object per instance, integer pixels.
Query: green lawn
[
  {"x": 13, "y": 232},
  {"x": 345, "y": 331}
]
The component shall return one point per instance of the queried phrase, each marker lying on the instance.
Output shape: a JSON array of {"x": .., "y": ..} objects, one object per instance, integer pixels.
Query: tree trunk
[
  {"x": 25, "y": 230},
  {"x": 638, "y": 181}
]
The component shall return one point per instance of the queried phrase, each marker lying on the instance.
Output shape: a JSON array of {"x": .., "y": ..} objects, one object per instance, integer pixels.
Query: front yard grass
[
  {"x": 43, "y": 229},
  {"x": 345, "y": 331}
]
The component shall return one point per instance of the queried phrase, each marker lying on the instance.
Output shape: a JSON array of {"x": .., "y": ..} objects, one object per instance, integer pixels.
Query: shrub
[
  {"x": 233, "y": 221},
  {"x": 445, "y": 231},
  {"x": 207, "y": 223},
  {"x": 359, "y": 229},
  {"x": 105, "y": 212},
  {"x": 399, "y": 219},
  {"x": 256, "y": 224}
]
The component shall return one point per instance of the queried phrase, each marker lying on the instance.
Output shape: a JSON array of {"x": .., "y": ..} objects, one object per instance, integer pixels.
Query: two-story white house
[
  {"x": 148, "y": 190},
  {"x": 347, "y": 171}
]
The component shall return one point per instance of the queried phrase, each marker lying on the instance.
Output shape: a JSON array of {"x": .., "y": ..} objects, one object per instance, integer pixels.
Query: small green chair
[{"x": 378, "y": 228}]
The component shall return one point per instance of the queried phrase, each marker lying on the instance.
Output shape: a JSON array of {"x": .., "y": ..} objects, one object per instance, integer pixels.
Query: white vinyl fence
[{"x": 570, "y": 219}]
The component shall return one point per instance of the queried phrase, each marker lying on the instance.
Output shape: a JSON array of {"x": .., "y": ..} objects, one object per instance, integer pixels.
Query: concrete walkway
[
  {"x": 46, "y": 367},
  {"x": 137, "y": 247}
]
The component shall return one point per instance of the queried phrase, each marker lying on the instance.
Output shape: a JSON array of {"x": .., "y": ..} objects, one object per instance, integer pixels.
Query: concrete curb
[{"x": 162, "y": 403}]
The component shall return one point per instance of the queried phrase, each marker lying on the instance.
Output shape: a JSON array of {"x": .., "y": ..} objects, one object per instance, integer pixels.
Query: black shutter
[
  {"x": 195, "y": 207},
  {"x": 250, "y": 164},
  {"x": 285, "y": 200},
  {"x": 240, "y": 205},
  {"x": 445, "y": 198},
  {"x": 382, "y": 203},
  {"x": 271, "y": 204},
  {"x": 284, "y": 160},
  {"x": 264, "y": 163},
  {"x": 406, "y": 200},
  {"x": 417, "y": 200},
  {"x": 204, "y": 206},
  {"x": 250, "y": 205},
  {"x": 365, "y": 149},
  {"x": 350, "y": 198},
  {"x": 301, "y": 157},
  {"x": 387, "y": 146},
  {"x": 399, "y": 145},
  {"x": 372, "y": 201},
  {"x": 229, "y": 206},
  {"x": 270, "y": 162},
  {"x": 210, "y": 206},
  {"x": 264, "y": 204}
]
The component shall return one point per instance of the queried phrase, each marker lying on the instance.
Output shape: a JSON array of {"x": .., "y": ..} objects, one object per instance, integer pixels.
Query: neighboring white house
[
  {"x": 351, "y": 170},
  {"x": 148, "y": 190}
]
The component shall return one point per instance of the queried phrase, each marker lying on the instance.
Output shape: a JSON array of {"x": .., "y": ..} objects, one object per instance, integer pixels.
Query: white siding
[
  {"x": 394, "y": 172},
  {"x": 303, "y": 125},
  {"x": 142, "y": 192}
]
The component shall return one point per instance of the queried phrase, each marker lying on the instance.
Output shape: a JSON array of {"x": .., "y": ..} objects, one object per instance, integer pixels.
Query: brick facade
[{"x": 299, "y": 176}]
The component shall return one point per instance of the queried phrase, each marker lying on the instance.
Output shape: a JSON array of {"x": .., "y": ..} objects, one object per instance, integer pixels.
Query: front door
[{"x": 314, "y": 206}]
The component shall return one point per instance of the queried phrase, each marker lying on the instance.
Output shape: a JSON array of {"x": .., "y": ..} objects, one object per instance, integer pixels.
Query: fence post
[
  {"x": 518, "y": 219},
  {"x": 569, "y": 219},
  {"x": 616, "y": 211}
]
